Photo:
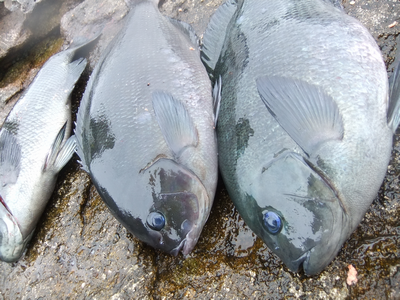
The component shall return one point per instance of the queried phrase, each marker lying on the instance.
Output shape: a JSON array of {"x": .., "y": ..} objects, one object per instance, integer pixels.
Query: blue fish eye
[
  {"x": 272, "y": 222},
  {"x": 155, "y": 221}
]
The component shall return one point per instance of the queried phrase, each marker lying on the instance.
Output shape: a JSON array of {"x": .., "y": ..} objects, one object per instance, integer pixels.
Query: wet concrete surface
[{"x": 79, "y": 251}]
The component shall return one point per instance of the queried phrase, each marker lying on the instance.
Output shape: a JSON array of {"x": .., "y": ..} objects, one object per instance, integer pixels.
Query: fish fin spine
[
  {"x": 217, "y": 98},
  {"x": 187, "y": 30}
]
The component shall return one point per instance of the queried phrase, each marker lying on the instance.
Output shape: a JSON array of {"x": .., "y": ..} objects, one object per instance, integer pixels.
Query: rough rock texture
[{"x": 79, "y": 251}]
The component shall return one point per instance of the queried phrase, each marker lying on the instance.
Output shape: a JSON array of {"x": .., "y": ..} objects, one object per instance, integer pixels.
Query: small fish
[
  {"x": 34, "y": 147},
  {"x": 145, "y": 130},
  {"x": 305, "y": 126}
]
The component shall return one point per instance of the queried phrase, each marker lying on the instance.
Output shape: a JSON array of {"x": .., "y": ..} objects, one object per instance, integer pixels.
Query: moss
[{"x": 33, "y": 58}]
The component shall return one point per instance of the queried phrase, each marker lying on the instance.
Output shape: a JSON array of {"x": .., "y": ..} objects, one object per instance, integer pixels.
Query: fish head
[
  {"x": 297, "y": 213},
  {"x": 12, "y": 243},
  {"x": 176, "y": 218},
  {"x": 169, "y": 212}
]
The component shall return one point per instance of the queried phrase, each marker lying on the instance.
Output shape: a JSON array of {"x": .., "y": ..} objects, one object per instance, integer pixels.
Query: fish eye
[
  {"x": 272, "y": 222},
  {"x": 155, "y": 221}
]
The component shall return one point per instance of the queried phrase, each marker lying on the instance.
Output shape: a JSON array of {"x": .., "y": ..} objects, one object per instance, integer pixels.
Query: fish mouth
[
  {"x": 177, "y": 249},
  {"x": 186, "y": 245},
  {"x": 301, "y": 262}
]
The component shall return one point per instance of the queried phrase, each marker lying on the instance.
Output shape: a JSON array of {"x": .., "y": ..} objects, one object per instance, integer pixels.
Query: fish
[
  {"x": 146, "y": 130},
  {"x": 34, "y": 146},
  {"x": 305, "y": 125}
]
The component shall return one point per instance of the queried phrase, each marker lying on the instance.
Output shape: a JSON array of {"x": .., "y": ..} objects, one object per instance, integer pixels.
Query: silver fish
[
  {"x": 34, "y": 147},
  {"x": 145, "y": 130},
  {"x": 304, "y": 136}
]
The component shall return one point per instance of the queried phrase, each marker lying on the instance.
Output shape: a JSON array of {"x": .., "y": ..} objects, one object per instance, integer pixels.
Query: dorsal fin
[
  {"x": 186, "y": 29},
  {"x": 214, "y": 36},
  {"x": 393, "y": 115},
  {"x": 217, "y": 99}
]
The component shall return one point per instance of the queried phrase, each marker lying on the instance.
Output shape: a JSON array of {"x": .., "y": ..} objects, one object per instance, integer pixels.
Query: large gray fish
[
  {"x": 34, "y": 146},
  {"x": 304, "y": 136},
  {"x": 145, "y": 130}
]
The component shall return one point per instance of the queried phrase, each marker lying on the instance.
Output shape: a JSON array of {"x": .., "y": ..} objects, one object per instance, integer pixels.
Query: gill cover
[{"x": 299, "y": 216}]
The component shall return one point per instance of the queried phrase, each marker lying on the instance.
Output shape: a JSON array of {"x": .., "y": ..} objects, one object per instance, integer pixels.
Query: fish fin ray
[
  {"x": 76, "y": 62},
  {"x": 10, "y": 157},
  {"x": 55, "y": 149},
  {"x": 77, "y": 51},
  {"x": 75, "y": 69},
  {"x": 65, "y": 153},
  {"x": 214, "y": 36},
  {"x": 81, "y": 46},
  {"x": 175, "y": 122},
  {"x": 304, "y": 111},
  {"x": 217, "y": 99},
  {"x": 393, "y": 115},
  {"x": 186, "y": 29}
]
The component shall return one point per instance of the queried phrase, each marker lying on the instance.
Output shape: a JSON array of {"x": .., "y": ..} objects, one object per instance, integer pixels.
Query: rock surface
[{"x": 79, "y": 251}]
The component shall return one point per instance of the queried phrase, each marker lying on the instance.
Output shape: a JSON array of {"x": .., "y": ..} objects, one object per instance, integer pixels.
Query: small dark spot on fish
[
  {"x": 102, "y": 136},
  {"x": 12, "y": 127},
  {"x": 243, "y": 134}
]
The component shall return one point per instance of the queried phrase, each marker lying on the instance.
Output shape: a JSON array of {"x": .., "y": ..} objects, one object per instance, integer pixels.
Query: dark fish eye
[
  {"x": 156, "y": 221},
  {"x": 272, "y": 222}
]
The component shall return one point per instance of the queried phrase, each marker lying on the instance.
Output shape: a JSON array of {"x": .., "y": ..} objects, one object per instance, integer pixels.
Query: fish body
[
  {"x": 34, "y": 146},
  {"x": 145, "y": 131},
  {"x": 303, "y": 134}
]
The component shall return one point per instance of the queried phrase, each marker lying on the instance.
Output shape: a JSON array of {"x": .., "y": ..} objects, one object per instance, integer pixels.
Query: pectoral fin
[
  {"x": 10, "y": 157},
  {"x": 175, "y": 122},
  {"x": 304, "y": 111}
]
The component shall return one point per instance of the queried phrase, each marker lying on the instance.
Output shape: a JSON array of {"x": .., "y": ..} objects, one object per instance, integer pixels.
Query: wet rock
[
  {"x": 12, "y": 32},
  {"x": 91, "y": 18},
  {"x": 25, "y": 6},
  {"x": 80, "y": 251}
]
